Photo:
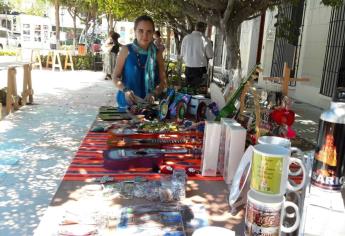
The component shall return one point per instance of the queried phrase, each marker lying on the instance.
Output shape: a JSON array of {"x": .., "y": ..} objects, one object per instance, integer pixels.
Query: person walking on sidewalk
[
  {"x": 196, "y": 50},
  {"x": 111, "y": 49}
]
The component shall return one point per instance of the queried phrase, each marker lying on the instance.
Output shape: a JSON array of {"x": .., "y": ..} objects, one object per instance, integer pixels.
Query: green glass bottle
[{"x": 229, "y": 110}]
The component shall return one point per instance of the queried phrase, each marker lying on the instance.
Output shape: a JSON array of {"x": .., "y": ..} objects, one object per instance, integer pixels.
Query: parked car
[
  {"x": 3, "y": 38},
  {"x": 9, "y": 39},
  {"x": 14, "y": 40}
]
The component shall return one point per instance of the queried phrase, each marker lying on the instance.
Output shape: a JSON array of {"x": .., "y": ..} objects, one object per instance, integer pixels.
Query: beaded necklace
[{"x": 139, "y": 62}]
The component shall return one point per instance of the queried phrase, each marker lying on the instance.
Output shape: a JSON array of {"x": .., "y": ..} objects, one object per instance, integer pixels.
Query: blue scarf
[{"x": 150, "y": 65}]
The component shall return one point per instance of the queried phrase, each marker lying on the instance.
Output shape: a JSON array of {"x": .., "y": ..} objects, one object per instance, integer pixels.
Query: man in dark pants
[{"x": 196, "y": 50}]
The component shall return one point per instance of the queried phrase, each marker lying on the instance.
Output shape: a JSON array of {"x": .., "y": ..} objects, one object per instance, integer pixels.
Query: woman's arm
[
  {"x": 117, "y": 78},
  {"x": 120, "y": 62},
  {"x": 162, "y": 76}
]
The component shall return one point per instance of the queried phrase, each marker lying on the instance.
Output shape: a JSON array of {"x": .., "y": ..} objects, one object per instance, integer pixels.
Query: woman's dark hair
[
  {"x": 157, "y": 33},
  {"x": 143, "y": 18},
  {"x": 114, "y": 35}
]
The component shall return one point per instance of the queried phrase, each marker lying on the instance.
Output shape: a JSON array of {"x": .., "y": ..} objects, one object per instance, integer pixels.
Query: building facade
[
  {"x": 316, "y": 53},
  {"x": 315, "y": 50}
]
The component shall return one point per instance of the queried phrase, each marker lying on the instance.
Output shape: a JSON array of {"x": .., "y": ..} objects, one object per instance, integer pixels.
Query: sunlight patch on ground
[
  {"x": 6, "y": 125},
  {"x": 306, "y": 122}
]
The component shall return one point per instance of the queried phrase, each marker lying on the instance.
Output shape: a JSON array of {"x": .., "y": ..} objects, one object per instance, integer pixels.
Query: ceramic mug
[
  {"x": 285, "y": 143},
  {"x": 265, "y": 215},
  {"x": 270, "y": 170}
]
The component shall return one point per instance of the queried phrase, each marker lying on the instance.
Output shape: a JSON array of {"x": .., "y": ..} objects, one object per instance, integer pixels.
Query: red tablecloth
[{"x": 88, "y": 163}]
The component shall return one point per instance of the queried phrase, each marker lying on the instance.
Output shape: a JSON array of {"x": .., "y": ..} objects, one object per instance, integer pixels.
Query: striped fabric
[{"x": 88, "y": 163}]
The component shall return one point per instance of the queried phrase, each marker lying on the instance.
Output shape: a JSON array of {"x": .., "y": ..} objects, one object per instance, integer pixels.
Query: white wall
[
  {"x": 313, "y": 47},
  {"x": 314, "y": 40},
  {"x": 249, "y": 43},
  {"x": 126, "y": 31},
  {"x": 267, "y": 45}
]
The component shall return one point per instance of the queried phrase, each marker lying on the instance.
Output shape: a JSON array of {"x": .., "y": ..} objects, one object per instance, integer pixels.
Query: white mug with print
[
  {"x": 270, "y": 170},
  {"x": 265, "y": 215},
  {"x": 284, "y": 142}
]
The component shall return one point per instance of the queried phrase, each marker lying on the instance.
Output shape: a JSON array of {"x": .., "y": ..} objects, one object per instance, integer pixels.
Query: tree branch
[
  {"x": 254, "y": 16},
  {"x": 218, "y": 5},
  {"x": 228, "y": 11}
]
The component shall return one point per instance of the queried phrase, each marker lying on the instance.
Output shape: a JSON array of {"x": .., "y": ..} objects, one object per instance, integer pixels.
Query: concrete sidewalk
[{"x": 38, "y": 142}]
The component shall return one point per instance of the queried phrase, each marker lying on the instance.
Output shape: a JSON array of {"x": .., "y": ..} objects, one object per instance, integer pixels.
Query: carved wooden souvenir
[
  {"x": 113, "y": 117},
  {"x": 120, "y": 159}
]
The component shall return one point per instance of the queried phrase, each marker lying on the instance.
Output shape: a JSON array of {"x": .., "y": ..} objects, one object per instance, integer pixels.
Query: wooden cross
[{"x": 286, "y": 79}]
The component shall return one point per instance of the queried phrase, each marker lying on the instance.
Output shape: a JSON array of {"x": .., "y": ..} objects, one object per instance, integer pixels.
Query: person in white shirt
[{"x": 196, "y": 50}]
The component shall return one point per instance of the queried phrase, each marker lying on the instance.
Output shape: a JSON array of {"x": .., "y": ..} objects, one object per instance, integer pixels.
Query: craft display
[
  {"x": 149, "y": 111},
  {"x": 119, "y": 159},
  {"x": 156, "y": 135},
  {"x": 114, "y": 116},
  {"x": 294, "y": 169},
  {"x": 198, "y": 107},
  {"x": 125, "y": 159},
  {"x": 230, "y": 109},
  {"x": 210, "y": 148},
  {"x": 111, "y": 109},
  {"x": 148, "y": 220},
  {"x": 270, "y": 170},
  {"x": 185, "y": 139},
  {"x": 178, "y": 106},
  {"x": 241, "y": 181},
  {"x": 234, "y": 138},
  {"x": 264, "y": 215}
]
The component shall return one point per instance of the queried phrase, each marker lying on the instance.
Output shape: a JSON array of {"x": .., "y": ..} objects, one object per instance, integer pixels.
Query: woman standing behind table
[
  {"x": 111, "y": 49},
  {"x": 139, "y": 71}
]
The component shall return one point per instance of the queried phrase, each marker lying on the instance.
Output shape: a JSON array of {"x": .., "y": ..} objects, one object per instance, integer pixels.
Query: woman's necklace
[{"x": 139, "y": 62}]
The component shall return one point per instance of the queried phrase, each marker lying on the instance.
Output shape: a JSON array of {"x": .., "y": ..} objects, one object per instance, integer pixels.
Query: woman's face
[{"x": 144, "y": 33}]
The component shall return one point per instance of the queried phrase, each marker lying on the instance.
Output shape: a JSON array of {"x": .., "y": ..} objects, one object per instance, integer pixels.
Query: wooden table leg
[
  {"x": 27, "y": 85},
  {"x": 31, "y": 91},
  {"x": 11, "y": 90}
]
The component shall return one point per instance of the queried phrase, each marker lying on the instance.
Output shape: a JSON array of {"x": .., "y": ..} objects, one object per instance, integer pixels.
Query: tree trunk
[
  {"x": 110, "y": 19},
  {"x": 57, "y": 22},
  {"x": 75, "y": 29},
  {"x": 233, "y": 56},
  {"x": 168, "y": 43},
  {"x": 178, "y": 42}
]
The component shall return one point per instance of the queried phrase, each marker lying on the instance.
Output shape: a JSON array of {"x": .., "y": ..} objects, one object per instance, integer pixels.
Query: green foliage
[
  {"x": 332, "y": 3},
  {"x": 287, "y": 29},
  {"x": 83, "y": 62},
  {"x": 5, "y": 7},
  {"x": 7, "y": 53},
  {"x": 174, "y": 75},
  {"x": 79, "y": 62},
  {"x": 39, "y": 8}
]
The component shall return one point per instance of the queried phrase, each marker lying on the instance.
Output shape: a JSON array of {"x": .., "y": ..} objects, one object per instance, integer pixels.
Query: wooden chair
[
  {"x": 68, "y": 60},
  {"x": 27, "y": 85},
  {"x": 53, "y": 59},
  {"x": 36, "y": 58}
]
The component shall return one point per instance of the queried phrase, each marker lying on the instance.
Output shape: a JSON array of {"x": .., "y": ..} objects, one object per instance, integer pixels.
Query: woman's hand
[
  {"x": 130, "y": 98},
  {"x": 150, "y": 98}
]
